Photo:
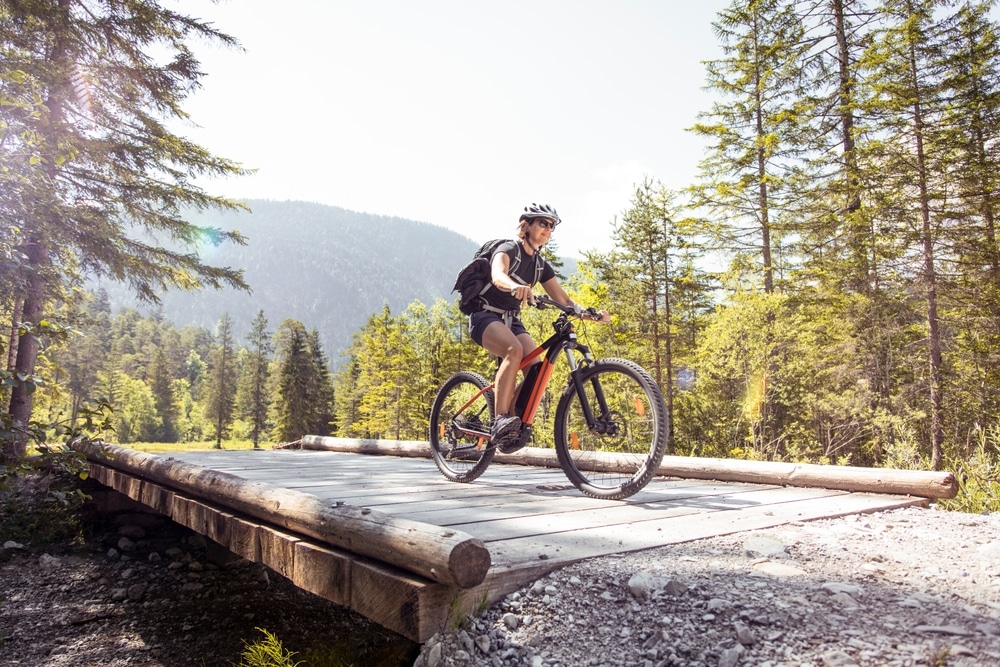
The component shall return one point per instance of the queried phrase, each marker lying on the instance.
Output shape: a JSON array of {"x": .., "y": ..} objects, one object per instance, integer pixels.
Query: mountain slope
[{"x": 327, "y": 267}]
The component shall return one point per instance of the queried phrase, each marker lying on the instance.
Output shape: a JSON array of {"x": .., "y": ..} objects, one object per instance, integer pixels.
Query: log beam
[
  {"x": 442, "y": 555},
  {"x": 920, "y": 483}
]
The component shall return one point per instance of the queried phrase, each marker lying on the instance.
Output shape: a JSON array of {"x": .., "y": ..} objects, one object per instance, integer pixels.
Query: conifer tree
[
  {"x": 321, "y": 393},
  {"x": 969, "y": 59},
  {"x": 756, "y": 132},
  {"x": 902, "y": 94},
  {"x": 99, "y": 179},
  {"x": 253, "y": 396},
  {"x": 223, "y": 380},
  {"x": 292, "y": 418},
  {"x": 161, "y": 384}
]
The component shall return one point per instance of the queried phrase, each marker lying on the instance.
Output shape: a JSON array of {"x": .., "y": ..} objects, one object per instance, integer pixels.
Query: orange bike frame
[{"x": 537, "y": 391}]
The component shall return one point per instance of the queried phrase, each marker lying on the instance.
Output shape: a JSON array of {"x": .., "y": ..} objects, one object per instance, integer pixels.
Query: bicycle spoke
[
  {"x": 616, "y": 455},
  {"x": 460, "y": 425}
]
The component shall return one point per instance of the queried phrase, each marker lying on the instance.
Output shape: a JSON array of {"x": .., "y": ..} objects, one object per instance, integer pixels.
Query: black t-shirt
[{"x": 525, "y": 271}]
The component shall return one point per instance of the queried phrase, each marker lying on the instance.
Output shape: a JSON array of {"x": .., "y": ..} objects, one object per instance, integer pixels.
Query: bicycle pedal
[{"x": 510, "y": 444}]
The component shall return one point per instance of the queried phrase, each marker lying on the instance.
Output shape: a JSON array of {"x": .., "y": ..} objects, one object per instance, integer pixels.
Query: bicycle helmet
[{"x": 540, "y": 211}]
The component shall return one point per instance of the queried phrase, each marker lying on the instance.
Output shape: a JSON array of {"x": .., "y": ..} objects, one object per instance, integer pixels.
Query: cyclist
[{"x": 497, "y": 326}]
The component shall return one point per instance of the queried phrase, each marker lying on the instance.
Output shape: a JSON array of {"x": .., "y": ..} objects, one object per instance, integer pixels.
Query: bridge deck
[{"x": 531, "y": 519}]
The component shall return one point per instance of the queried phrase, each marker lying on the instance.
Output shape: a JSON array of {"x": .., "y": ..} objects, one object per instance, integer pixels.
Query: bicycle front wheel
[
  {"x": 460, "y": 427},
  {"x": 620, "y": 452}
]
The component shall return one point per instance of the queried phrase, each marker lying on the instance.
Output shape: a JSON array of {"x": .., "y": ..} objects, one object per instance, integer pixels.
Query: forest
[{"x": 827, "y": 290}]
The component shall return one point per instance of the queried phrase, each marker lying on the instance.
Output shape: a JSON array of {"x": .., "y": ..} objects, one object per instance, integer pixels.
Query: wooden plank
[
  {"x": 277, "y": 550},
  {"x": 100, "y": 473},
  {"x": 448, "y": 556},
  {"x": 411, "y": 606},
  {"x": 125, "y": 484},
  {"x": 444, "y": 513},
  {"x": 323, "y": 571},
  {"x": 408, "y": 605},
  {"x": 625, "y": 518},
  {"x": 185, "y": 512},
  {"x": 571, "y": 546},
  {"x": 156, "y": 497},
  {"x": 243, "y": 539}
]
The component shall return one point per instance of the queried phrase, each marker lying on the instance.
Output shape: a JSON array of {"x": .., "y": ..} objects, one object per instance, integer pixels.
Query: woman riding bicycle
[{"x": 516, "y": 266}]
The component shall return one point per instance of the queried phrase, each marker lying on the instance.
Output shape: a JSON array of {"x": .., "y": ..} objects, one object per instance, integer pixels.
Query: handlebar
[{"x": 542, "y": 302}]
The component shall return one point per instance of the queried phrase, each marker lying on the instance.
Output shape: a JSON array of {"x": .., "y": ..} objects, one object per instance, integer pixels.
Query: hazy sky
[{"x": 457, "y": 113}]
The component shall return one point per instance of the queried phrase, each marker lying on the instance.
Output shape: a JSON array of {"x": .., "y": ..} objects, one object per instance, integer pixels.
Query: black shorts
[{"x": 479, "y": 321}]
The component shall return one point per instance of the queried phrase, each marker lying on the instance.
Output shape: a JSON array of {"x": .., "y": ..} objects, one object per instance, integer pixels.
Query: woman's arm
[{"x": 499, "y": 275}]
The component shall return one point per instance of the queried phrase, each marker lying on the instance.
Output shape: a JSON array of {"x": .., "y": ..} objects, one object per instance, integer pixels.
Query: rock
[
  {"x": 942, "y": 629},
  {"x": 989, "y": 629},
  {"x": 49, "y": 562},
  {"x": 642, "y": 585},
  {"x": 434, "y": 656},
  {"x": 778, "y": 569},
  {"x": 675, "y": 588},
  {"x": 510, "y": 620},
  {"x": 844, "y": 600},
  {"x": 132, "y": 532},
  {"x": 834, "y": 587},
  {"x": 731, "y": 657},
  {"x": 765, "y": 545},
  {"x": 744, "y": 635},
  {"x": 838, "y": 659},
  {"x": 11, "y": 544}
]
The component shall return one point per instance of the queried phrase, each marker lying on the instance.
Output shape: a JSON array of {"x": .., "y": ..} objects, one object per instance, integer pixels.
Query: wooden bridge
[{"x": 389, "y": 537}]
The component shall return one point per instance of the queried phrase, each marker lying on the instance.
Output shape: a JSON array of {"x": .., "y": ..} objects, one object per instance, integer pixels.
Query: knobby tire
[
  {"x": 459, "y": 456},
  {"x": 621, "y": 461}
]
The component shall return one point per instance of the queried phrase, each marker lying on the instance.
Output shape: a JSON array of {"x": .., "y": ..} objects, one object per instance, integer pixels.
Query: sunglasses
[{"x": 546, "y": 224}]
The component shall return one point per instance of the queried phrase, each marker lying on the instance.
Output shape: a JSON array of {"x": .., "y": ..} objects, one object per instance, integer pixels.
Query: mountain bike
[{"x": 611, "y": 423}]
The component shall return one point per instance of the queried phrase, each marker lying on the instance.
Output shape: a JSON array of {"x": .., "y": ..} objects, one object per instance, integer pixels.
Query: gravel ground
[
  {"x": 914, "y": 586},
  {"x": 146, "y": 591},
  {"x": 908, "y": 587}
]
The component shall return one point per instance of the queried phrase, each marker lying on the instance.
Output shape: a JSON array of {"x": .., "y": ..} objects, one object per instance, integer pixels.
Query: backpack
[{"x": 474, "y": 278}]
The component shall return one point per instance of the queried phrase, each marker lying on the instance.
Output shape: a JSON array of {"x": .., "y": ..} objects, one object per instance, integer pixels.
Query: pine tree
[
  {"x": 969, "y": 59},
  {"x": 902, "y": 94},
  {"x": 97, "y": 171},
  {"x": 292, "y": 418},
  {"x": 222, "y": 382},
  {"x": 321, "y": 393},
  {"x": 756, "y": 134},
  {"x": 254, "y": 398},
  {"x": 161, "y": 383}
]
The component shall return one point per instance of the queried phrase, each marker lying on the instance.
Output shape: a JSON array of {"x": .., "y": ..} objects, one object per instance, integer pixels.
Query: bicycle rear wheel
[
  {"x": 460, "y": 427},
  {"x": 618, "y": 457}
]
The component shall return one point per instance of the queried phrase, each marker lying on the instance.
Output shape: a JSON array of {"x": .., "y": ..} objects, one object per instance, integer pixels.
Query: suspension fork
[{"x": 581, "y": 393}]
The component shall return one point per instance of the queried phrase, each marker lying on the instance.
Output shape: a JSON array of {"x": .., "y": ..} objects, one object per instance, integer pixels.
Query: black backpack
[{"x": 474, "y": 278}]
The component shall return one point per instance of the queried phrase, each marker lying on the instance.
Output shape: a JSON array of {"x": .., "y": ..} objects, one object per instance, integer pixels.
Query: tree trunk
[
  {"x": 27, "y": 350},
  {"x": 15, "y": 324},
  {"x": 929, "y": 276}
]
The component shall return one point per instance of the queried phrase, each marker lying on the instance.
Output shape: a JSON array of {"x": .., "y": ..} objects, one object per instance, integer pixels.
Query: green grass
[{"x": 167, "y": 447}]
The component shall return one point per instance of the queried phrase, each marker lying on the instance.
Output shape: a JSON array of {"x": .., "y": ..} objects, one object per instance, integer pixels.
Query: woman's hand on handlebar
[
  {"x": 574, "y": 309},
  {"x": 601, "y": 316}
]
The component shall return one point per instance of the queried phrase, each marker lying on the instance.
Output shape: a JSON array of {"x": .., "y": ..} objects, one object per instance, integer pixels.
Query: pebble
[{"x": 798, "y": 594}]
